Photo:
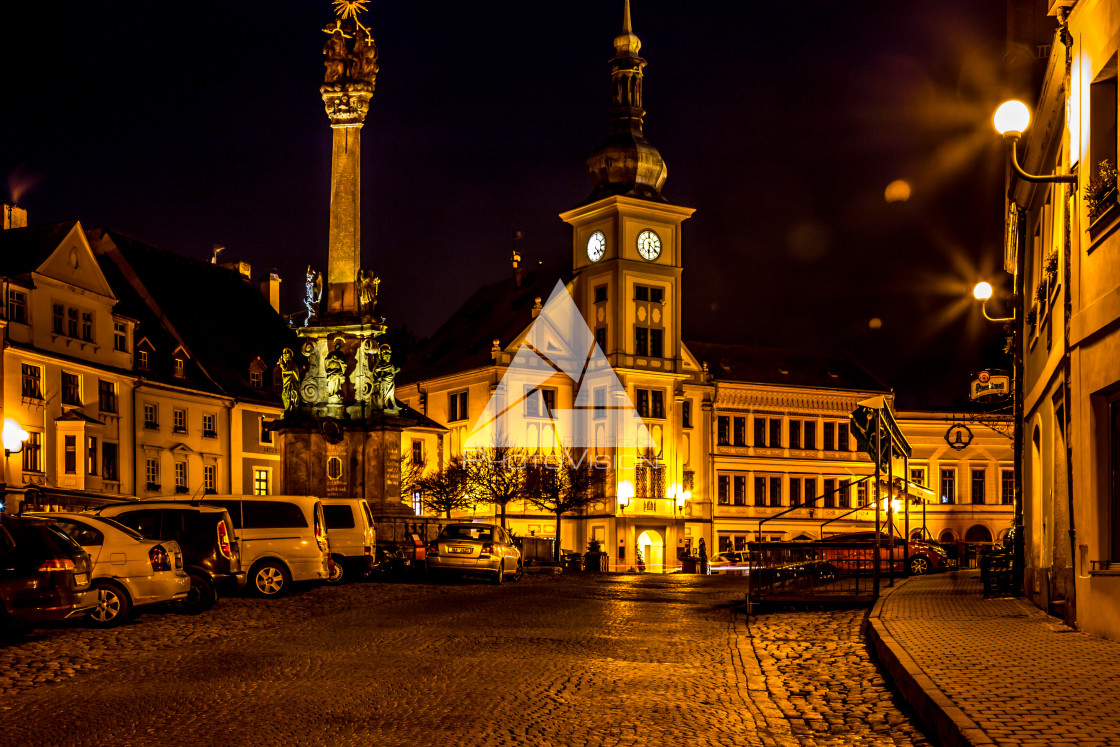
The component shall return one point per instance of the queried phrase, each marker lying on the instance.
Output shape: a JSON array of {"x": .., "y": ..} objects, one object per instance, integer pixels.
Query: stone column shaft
[{"x": 344, "y": 255}]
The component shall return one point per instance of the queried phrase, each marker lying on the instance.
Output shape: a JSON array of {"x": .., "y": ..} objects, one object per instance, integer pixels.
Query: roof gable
[{"x": 72, "y": 262}]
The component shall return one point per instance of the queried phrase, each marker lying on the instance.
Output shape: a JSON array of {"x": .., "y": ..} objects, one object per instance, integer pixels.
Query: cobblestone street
[{"x": 553, "y": 660}]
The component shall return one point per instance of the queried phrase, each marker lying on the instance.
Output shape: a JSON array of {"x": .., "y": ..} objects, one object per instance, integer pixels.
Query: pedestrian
[{"x": 703, "y": 557}]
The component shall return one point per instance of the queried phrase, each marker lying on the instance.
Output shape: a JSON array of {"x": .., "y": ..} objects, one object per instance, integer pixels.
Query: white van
[
  {"x": 283, "y": 538},
  {"x": 352, "y": 536}
]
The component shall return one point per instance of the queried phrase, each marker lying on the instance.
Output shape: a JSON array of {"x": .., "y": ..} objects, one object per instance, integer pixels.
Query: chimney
[
  {"x": 518, "y": 271},
  {"x": 14, "y": 217},
  {"x": 241, "y": 267},
  {"x": 537, "y": 306},
  {"x": 270, "y": 288},
  {"x": 218, "y": 249}
]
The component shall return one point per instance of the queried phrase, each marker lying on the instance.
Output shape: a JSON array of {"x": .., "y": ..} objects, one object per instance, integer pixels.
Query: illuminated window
[
  {"x": 33, "y": 452},
  {"x": 142, "y": 360},
  {"x": 260, "y": 482},
  {"x": 181, "y": 367},
  {"x": 91, "y": 465},
  {"x": 948, "y": 485},
  {"x": 256, "y": 382}
]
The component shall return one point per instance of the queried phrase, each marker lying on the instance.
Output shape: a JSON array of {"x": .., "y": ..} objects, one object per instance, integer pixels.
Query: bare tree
[
  {"x": 562, "y": 486},
  {"x": 411, "y": 472},
  {"x": 496, "y": 475},
  {"x": 445, "y": 490}
]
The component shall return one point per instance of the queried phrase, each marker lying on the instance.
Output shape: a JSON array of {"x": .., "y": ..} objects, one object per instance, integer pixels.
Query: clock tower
[{"x": 626, "y": 237}]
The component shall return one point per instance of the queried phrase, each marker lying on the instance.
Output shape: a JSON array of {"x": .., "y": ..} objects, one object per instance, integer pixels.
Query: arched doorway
[
  {"x": 978, "y": 533},
  {"x": 652, "y": 545},
  {"x": 947, "y": 537}
]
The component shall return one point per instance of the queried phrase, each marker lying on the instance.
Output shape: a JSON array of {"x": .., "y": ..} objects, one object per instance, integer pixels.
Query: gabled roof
[
  {"x": 23, "y": 250},
  {"x": 222, "y": 321},
  {"x": 501, "y": 311},
  {"x": 758, "y": 365}
]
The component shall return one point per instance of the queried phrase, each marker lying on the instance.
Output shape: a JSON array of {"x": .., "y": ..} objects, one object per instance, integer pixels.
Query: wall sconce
[
  {"x": 1010, "y": 120},
  {"x": 13, "y": 437},
  {"x": 683, "y": 496},
  {"x": 625, "y": 495}
]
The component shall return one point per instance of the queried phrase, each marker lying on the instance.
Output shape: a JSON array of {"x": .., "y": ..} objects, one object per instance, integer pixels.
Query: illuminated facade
[
  {"x": 124, "y": 377},
  {"x": 1063, "y": 247},
  {"x": 740, "y": 434}
]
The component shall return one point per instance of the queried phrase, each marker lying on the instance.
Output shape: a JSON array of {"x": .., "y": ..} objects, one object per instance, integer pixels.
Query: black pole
[
  {"x": 890, "y": 511},
  {"x": 878, "y": 505}
]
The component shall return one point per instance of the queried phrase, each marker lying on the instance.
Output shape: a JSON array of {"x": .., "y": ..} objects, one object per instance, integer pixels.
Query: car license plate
[
  {"x": 460, "y": 549},
  {"x": 81, "y": 579}
]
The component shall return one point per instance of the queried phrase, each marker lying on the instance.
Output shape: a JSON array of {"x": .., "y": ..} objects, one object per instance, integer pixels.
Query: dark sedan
[{"x": 44, "y": 575}]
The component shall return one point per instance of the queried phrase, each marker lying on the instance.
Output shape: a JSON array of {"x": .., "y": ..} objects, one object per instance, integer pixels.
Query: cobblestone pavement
[
  {"x": 1019, "y": 675},
  {"x": 553, "y": 660}
]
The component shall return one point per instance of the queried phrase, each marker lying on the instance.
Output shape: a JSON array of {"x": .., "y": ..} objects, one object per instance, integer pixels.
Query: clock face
[
  {"x": 596, "y": 246},
  {"x": 649, "y": 245}
]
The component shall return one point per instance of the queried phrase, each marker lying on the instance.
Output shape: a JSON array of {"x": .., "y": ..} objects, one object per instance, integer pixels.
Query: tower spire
[{"x": 626, "y": 164}]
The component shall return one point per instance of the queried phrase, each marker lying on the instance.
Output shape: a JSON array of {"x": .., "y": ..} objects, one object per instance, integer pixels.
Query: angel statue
[
  {"x": 384, "y": 379},
  {"x": 289, "y": 376},
  {"x": 368, "y": 284},
  {"x": 314, "y": 292}
]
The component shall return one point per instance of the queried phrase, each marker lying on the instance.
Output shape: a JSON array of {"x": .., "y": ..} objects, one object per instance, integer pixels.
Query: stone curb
[{"x": 940, "y": 714}]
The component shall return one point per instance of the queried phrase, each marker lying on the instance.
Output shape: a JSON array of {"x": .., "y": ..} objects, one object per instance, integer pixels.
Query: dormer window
[
  {"x": 255, "y": 379},
  {"x": 142, "y": 360},
  {"x": 180, "y": 367},
  {"x": 256, "y": 373}
]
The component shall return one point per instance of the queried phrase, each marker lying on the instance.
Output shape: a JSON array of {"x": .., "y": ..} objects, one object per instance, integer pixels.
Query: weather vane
[{"x": 349, "y": 10}]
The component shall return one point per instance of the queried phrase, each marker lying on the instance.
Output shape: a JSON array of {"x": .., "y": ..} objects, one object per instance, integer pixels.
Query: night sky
[{"x": 194, "y": 124}]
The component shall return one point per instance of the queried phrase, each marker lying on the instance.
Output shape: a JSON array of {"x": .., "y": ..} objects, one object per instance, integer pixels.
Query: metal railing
[{"x": 816, "y": 571}]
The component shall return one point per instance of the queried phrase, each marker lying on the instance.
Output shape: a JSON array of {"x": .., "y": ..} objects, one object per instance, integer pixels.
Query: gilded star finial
[{"x": 349, "y": 9}]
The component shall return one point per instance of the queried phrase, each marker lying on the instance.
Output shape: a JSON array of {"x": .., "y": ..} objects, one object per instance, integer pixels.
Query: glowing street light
[
  {"x": 982, "y": 291},
  {"x": 1010, "y": 120},
  {"x": 625, "y": 495},
  {"x": 13, "y": 436},
  {"x": 682, "y": 497}
]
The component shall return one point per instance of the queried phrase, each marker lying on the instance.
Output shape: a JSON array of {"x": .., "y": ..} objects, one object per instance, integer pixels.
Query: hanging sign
[
  {"x": 990, "y": 385},
  {"x": 958, "y": 436}
]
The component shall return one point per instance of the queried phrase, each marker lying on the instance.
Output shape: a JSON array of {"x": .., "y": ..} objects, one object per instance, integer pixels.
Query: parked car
[
  {"x": 351, "y": 535},
  {"x": 728, "y": 562},
  {"x": 484, "y": 549},
  {"x": 283, "y": 538},
  {"x": 129, "y": 570},
  {"x": 44, "y": 575},
  {"x": 205, "y": 533},
  {"x": 920, "y": 556}
]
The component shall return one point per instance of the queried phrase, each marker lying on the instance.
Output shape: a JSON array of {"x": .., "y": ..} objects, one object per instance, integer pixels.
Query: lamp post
[
  {"x": 1011, "y": 119},
  {"x": 13, "y": 436}
]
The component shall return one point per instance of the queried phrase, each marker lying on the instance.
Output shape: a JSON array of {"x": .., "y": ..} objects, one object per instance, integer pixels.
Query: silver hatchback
[{"x": 484, "y": 549}]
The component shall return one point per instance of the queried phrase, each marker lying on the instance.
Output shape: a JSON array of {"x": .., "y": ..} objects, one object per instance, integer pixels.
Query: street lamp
[
  {"x": 1011, "y": 120},
  {"x": 13, "y": 436},
  {"x": 982, "y": 291},
  {"x": 625, "y": 495},
  {"x": 682, "y": 497}
]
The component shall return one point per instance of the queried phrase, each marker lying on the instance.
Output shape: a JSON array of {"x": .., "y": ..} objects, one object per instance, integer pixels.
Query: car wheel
[
  {"x": 919, "y": 565},
  {"x": 337, "y": 571},
  {"x": 269, "y": 578},
  {"x": 501, "y": 576},
  {"x": 520, "y": 570},
  {"x": 113, "y": 606},
  {"x": 201, "y": 596}
]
